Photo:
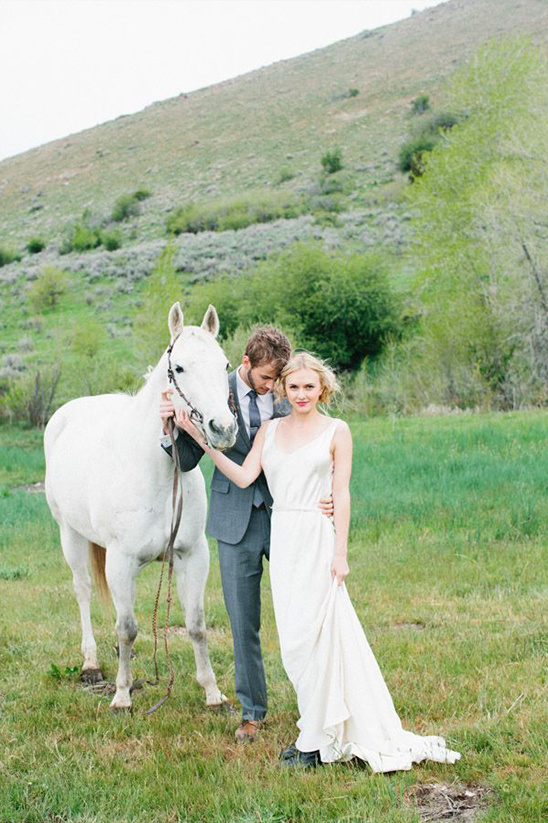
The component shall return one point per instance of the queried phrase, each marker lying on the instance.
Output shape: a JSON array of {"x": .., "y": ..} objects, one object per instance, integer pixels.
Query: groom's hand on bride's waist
[{"x": 326, "y": 506}]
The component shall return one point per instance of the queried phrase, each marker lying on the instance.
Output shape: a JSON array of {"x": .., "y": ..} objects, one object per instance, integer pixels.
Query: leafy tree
[
  {"x": 481, "y": 230},
  {"x": 340, "y": 307}
]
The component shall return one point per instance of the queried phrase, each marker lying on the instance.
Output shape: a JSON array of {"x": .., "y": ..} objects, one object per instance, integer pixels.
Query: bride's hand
[
  {"x": 339, "y": 568},
  {"x": 184, "y": 422}
]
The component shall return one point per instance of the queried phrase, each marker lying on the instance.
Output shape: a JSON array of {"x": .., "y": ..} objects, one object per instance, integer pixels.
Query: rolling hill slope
[{"x": 237, "y": 135}]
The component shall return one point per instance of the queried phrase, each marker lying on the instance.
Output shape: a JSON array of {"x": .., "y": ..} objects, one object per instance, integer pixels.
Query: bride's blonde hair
[{"x": 305, "y": 360}]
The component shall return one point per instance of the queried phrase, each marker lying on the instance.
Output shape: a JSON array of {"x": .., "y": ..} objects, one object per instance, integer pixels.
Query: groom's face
[{"x": 261, "y": 378}]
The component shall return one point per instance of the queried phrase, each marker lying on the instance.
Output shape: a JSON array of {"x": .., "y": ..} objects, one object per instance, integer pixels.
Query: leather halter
[{"x": 194, "y": 413}]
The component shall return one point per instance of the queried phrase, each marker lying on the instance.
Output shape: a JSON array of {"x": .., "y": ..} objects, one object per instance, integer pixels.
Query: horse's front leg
[
  {"x": 121, "y": 571},
  {"x": 192, "y": 570}
]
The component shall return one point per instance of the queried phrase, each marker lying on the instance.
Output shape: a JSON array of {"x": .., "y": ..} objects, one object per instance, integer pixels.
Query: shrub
[
  {"x": 35, "y": 245},
  {"x": 332, "y": 161},
  {"x": 84, "y": 238},
  {"x": 8, "y": 256},
  {"x": 31, "y": 399},
  {"x": 353, "y": 92},
  {"x": 47, "y": 289},
  {"x": 142, "y": 194},
  {"x": 340, "y": 307},
  {"x": 126, "y": 207},
  {"x": 424, "y": 140},
  {"x": 284, "y": 175},
  {"x": 420, "y": 104},
  {"x": 87, "y": 338},
  {"x": 111, "y": 239},
  {"x": 82, "y": 235},
  {"x": 410, "y": 156},
  {"x": 233, "y": 215}
]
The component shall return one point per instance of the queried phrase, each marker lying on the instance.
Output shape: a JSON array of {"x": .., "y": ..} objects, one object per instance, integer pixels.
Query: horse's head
[{"x": 200, "y": 377}]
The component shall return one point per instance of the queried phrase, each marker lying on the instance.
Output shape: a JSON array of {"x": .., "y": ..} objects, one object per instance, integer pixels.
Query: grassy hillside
[{"x": 237, "y": 135}]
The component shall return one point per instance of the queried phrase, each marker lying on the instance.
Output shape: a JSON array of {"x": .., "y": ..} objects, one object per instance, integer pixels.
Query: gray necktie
[
  {"x": 254, "y": 426},
  {"x": 254, "y": 415}
]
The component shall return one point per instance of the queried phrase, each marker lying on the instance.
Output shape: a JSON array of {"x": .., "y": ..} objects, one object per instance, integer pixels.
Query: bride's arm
[
  {"x": 244, "y": 475},
  {"x": 342, "y": 460}
]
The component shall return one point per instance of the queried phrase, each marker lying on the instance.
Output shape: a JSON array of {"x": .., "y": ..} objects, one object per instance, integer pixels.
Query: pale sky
[{"x": 67, "y": 65}]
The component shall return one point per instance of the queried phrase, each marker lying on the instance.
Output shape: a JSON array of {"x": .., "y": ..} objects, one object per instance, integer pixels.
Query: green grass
[{"x": 449, "y": 576}]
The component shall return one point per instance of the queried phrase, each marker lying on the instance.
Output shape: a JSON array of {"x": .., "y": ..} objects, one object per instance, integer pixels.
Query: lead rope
[{"x": 177, "y": 511}]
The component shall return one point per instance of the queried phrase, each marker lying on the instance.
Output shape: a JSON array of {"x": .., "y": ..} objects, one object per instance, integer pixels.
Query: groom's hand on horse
[
  {"x": 326, "y": 506},
  {"x": 167, "y": 409}
]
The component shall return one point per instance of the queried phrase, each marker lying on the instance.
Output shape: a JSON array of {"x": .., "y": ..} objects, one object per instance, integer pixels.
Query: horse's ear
[
  {"x": 211, "y": 321},
  {"x": 175, "y": 320}
]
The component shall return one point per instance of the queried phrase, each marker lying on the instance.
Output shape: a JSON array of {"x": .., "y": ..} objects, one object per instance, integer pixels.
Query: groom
[{"x": 240, "y": 518}]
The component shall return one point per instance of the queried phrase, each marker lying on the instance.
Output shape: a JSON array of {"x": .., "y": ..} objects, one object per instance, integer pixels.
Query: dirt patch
[
  {"x": 32, "y": 488},
  {"x": 439, "y": 802}
]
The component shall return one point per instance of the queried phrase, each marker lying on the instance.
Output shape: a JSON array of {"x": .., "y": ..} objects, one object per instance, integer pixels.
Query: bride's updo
[{"x": 305, "y": 360}]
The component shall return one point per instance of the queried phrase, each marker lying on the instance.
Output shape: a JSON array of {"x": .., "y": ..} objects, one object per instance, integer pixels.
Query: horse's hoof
[
  {"x": 225, "y": 707},
  {"x": 117, "y": 709},
  {"x": 92, "y": 676}
]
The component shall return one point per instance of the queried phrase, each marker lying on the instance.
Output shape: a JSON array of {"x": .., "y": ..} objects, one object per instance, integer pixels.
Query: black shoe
[{"x": 292, "y": 757}]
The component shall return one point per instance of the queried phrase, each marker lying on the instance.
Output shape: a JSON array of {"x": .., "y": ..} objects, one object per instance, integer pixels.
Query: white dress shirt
[{"x": 265, "y": 402}]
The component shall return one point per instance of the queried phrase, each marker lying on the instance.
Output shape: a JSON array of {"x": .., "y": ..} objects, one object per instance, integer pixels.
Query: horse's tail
[{"x": 97, "y": 555}]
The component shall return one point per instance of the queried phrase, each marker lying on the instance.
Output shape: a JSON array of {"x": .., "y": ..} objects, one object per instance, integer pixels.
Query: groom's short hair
[{"x": 268, "y": 344}]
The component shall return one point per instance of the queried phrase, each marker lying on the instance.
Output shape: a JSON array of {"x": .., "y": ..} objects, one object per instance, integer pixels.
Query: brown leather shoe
[{"x": 247, "y": 731}]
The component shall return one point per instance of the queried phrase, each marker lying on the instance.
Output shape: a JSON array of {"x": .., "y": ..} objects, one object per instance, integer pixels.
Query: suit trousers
[{"x": 241, "y": 572}]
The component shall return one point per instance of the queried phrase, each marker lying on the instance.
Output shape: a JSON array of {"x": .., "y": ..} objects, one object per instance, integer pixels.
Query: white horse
[{"x": 109, "y": 487}]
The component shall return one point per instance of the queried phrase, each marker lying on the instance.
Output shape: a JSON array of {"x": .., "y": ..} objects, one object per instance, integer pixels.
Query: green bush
[
  {"x": 332, "y": 161},
  {"x": 284, "y": 175},
  {"x": 424, "y": 140},
  {"x": 126, "y": 207},
  {"x": 142, "y": 194},
  {"x": 31, "y": 399},
  {"x": 410, "y": 156},
  {"x": 111, "y": 239},
  {"x": 420, "y": 104},
  {"x": 8, "y": 256},
  {"x": 233, "y": 215},
  {"x": 47, "y": 289},
  {"x": 340, "y": 307},
  {"x": 35, "y": 245},
  {"x": 353, "y": 92},
  {"x": 84, "y": 238}
]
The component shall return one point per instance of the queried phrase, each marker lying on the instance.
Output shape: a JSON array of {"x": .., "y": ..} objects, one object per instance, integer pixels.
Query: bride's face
[{"x": 303, "y": 388}]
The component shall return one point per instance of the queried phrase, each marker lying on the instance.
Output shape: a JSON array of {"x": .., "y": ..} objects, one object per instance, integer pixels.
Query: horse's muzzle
[{"x": 221, "y": 436}]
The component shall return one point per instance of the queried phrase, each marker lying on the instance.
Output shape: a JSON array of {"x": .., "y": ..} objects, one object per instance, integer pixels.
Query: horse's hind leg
[
  {"x": 121, "y": 571},
  {"x": 192, "y": 570},
  {"x": 76, "y": 550}
]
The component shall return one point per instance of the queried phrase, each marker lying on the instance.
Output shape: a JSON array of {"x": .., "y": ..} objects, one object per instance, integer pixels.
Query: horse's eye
[{"x": 179, "y": 369}]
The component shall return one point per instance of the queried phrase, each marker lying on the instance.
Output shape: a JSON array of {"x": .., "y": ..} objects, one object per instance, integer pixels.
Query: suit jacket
[{"x": 229, "y": 505}]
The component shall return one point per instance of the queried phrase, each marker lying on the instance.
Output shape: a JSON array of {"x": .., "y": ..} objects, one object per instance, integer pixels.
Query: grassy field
[{"x": 449, "y": 575}]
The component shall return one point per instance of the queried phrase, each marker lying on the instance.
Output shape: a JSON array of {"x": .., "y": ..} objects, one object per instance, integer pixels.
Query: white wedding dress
[{"x": 345, "y": 707}]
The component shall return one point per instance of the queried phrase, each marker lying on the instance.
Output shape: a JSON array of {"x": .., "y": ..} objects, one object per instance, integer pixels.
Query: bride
[{"x": 345, "y": 707}]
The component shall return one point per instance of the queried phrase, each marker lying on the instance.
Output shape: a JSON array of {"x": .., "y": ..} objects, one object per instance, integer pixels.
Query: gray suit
[{"x": 243, "y": 534}]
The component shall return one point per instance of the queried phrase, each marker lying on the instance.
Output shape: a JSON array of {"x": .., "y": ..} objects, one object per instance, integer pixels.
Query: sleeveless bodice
[{"x": 299, "y": 479}]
